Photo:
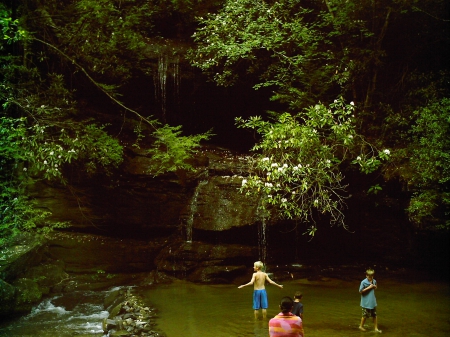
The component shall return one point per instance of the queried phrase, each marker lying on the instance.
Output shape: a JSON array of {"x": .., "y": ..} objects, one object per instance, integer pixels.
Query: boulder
[
  {"x": 28, "y": 294},
  {"x": 218, "y": 205}
]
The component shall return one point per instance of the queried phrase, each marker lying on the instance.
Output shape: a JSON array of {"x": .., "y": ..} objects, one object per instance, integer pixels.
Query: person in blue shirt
[
  {"x": 297, "y": 309},
  {"x": 368, "y": 300}
]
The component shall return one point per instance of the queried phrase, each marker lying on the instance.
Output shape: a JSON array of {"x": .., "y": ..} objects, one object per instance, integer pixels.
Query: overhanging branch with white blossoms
[{"x": 297, "y": 170}]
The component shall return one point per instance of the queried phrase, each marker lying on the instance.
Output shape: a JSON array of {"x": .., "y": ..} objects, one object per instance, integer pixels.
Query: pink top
[{"x": 286, "y": 325}]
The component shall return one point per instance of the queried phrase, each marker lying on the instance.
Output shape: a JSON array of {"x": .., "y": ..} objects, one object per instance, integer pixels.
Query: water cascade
[
  {"x": 193, "y": 211},
  {"x": 262, "y": 242},
  {"x": 166, "y": 67},
  {"x": 160, "y": 82},
  {"x": 176, "y": 77}
]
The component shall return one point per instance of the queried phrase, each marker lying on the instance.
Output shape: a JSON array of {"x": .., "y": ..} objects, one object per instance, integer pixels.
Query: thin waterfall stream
[{"x": 193, "y": 210}]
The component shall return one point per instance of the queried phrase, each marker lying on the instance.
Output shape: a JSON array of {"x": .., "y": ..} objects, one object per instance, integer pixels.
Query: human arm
[
  {"x": 366, "y": 286},
  {"x": 273, "y": 282},
  {"x": 248, "y": 284}
]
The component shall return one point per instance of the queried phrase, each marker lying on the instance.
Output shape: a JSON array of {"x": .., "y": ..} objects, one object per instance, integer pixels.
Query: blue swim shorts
[{"x": 260, "y": 299}]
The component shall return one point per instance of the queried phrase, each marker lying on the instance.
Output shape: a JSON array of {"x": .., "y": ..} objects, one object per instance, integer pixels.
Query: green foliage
[
  {"x": 171, "y": 151},
  {"x": 298, "y": 169},
  {"x": 10, "y": 32},
  {"x": 306, "y": 51},
  {"x": 263, "y": 39},
  {"x": 43, "y": 131},
  {"x": 428, "y": 167}
]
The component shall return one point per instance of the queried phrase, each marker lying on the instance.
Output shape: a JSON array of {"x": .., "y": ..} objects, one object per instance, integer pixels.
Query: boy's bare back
[{"x": 259, "y": 280}]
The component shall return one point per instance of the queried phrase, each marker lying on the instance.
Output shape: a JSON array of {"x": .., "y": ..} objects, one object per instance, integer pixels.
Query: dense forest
[{"x": 319, "y": 90}]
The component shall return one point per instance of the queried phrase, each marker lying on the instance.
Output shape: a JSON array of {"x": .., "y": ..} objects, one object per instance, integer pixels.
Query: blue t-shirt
[
  {"x": 368, "y": 299},
  {"x": 297, "y": 309}
]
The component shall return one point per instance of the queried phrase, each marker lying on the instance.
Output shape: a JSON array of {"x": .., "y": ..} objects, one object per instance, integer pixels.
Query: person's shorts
[
  {"x": 260, "y": 299},
  {"x": 369, "y": 312}
]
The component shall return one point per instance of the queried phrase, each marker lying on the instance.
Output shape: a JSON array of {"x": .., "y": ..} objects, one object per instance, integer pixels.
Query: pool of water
[
  {"x": 331, "y": 308},
  {"x": 410, "y": 308}
]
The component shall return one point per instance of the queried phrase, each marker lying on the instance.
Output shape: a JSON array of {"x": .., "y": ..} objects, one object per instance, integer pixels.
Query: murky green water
[
  {"x": 411, "y": 309},
  {"x": 331, "y": 309}
]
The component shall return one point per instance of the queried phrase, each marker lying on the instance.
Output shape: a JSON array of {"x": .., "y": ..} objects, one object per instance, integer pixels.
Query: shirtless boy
[{"x": 259, "y": 293}]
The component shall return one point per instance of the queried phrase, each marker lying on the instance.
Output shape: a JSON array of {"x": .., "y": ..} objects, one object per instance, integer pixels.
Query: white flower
[
  {"x": 316, "y": 202},
  {"x": 45, "y": 162},
  {"x": 42, "y": 106},
  {"x": 280, "y": 169},
  {"x": 56, "y": 165},
  {"x": 293, "y": 192},
  {"x": 24, "y": 168},
  {"x": 352, "y": 103},
  {"x": 274, "y": 165},
  {"x": 350, "y": 136},
  {"x": 295, "y": 168},
  {"x": 386, "y": 151},
  {"x": 265, "y": 159},
  {"x": 51, "y": 153},
  {"x": 285, "y": 165},
  {"x": 283, "y": 200},
  {"x": 244, "y": 181},
  {"x": 269, "y": 196},
  {"x": 358, "y": 158}
]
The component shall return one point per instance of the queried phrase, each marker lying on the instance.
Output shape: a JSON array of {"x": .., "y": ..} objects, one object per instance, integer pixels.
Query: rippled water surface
[
  {"x": 331, "y": 309},
  {"x": 76, "y": 314}
]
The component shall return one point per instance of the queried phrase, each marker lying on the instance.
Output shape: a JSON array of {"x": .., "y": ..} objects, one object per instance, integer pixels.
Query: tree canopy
[
  {"x": 50, "y": 51},
  {"x": 387, "y": 57},
  {"x": 357, "y": 83}
]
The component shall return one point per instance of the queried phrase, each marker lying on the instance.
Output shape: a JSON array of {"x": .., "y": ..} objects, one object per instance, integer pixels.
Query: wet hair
[
  {"x": 259, "y": 265},
  {"x": 298, "y": 295},
  {"x": 286, "y": 304},
  {"x": 370, "y": 272}
]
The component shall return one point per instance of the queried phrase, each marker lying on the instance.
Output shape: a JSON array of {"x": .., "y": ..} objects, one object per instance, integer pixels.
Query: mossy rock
[
  {"x": 7, "y": 295},
  {"x": 28, "y": 293}
]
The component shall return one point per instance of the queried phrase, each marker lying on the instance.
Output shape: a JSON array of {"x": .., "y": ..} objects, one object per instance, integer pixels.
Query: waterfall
[
  {"x": 176, "y": 77},
  {"x": 262, "y": 243},
  {"x": 166, "y": 68},
  {"x": 160, "y": 82},
  {"x": 193, "y": 211}
]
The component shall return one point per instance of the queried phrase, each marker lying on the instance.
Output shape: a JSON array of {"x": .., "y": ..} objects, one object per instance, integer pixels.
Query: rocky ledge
[{"x": 129, "y": 316}]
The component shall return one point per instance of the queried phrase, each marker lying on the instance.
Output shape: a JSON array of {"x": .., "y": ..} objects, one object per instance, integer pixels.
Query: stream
[{"x": 407, "y": 308}]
